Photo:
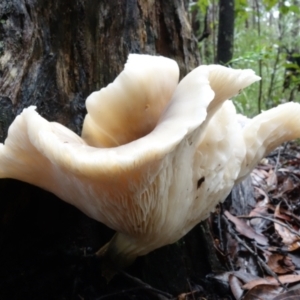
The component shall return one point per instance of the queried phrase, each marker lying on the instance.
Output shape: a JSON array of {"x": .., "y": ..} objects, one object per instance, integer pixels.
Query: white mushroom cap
[
  {"x": 267, "y": 131},
  {"x": 130, "y": 107},
  {"x": 151, "y": 179}
]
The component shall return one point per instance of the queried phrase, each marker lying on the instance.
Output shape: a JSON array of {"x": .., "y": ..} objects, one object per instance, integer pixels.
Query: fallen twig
[{"x": 272, "y": 220}]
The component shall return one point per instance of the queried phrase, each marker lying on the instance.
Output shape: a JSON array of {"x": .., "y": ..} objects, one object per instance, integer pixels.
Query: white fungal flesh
[{"x": 155, "y": 156}]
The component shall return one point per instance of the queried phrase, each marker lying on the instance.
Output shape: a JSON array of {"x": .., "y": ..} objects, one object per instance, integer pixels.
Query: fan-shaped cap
[
  {"x": 130, "y": 107},
  {"x": 140, "y": 163}
]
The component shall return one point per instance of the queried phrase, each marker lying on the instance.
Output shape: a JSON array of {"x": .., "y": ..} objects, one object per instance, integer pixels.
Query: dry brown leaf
[
  {"x": 279, "y": 263},
  {"x": 261, "y": 192},
  {"x": 285, "y": 212},
  {"x": 256, "y": 180},
  {"x": 288, "y": 262},
  {"x": 279, "y": 215},
  {"x": 259, "y": 224},
  {"x": 259, "y": 177},
  {"x": 290, "y": 295},
  {"x": 243, "y": 228},
  {"x": 271, "y": 281},
  {"x": 262, "y": 174},
  {"x": 185, "y": 296},
  {"x": 287, "y": 236},
  {"x": 294, "y": 246},
  {"x": 263, "y": 292},
  {"x": 272, "y": 180},
  {"x": 288, "y": 185},
  {"x": 259, "y": 210}
]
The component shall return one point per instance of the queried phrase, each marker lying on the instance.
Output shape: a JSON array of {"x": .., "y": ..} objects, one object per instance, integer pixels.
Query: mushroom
[{"x": 155, "y": 156}]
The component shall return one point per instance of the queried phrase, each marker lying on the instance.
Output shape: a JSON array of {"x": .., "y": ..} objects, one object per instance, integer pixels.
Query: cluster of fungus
[{"x": 155, "y": 157}]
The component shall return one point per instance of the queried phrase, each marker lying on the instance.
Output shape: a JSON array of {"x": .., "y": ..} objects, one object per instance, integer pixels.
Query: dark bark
[
  {"x": 292, "y": 71},
  {"x": 53, "y": 54},
  {"x": 226, "y": 31}
]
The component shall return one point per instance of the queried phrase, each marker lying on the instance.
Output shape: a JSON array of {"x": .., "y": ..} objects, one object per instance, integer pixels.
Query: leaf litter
[{"x": 262, "y": 245}]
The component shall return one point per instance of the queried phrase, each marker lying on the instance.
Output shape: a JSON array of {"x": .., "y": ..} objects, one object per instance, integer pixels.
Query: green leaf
[
  {"x": 203, "y": 4},
  {"x": 269, "y": 4},
  {"x": 295, "y": 9},
  {"x": 284, "y": 9}
]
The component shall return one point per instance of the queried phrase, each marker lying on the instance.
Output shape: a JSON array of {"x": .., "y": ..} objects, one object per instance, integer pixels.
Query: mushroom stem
[{"x": 118, "y": 253}]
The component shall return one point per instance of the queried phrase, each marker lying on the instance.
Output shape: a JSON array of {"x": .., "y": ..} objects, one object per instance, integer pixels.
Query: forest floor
[{"x": 261, "y": 248}]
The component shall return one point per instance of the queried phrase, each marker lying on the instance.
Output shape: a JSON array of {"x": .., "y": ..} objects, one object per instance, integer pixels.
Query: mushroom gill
[{"x": 155, "y": 156}]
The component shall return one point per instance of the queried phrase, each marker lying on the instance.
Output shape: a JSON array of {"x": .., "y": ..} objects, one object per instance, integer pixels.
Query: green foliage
[
  {"x": 269, "y": 4},
  {"x": 264, "y": 31},
  {"x": 203, "y": 4},
  {"x": 241, "y": 10}
]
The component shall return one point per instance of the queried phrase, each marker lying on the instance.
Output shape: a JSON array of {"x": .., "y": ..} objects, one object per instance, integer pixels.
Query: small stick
[{"x": 272, "y": 220}]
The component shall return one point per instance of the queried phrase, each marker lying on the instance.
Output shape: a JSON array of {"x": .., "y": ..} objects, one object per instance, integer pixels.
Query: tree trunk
[
  {"x": 53, "y": 54},
  {"x": 226, "y": 31}
]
